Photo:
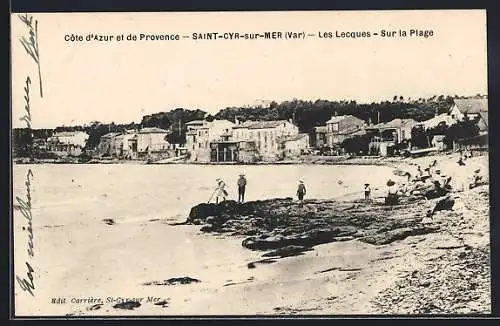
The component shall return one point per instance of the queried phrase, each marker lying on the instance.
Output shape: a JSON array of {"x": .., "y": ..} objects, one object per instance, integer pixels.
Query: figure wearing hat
[
  {"x": 301, "y": 191},
  {"x": 242, "y": 183},
  {"x": 367, "y": 191},
  {"x": 220, "y": 191}
]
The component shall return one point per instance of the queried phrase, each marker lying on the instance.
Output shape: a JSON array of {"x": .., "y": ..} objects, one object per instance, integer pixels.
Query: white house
[
  {"x": 268, "y": 136},
  {"x": 107, "y": 144},
  {"x": 124, "y": 145},
  {"x": 152, "y": 140},
  {"x": 341, "y": 127},
  {"x": 294, "y": 146},
  {"x": 472, "y": 108},
  {"x": 444, "y": 118},
  {"x": 67, "y": 143},
  {"x": 201, "y": 133}
]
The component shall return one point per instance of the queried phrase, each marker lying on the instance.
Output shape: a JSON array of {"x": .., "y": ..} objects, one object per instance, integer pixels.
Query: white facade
[
  {"x": 296, "y": 145},
  {"x": 68, "y": 143},
  {"x": 201, "y": 134},
  {"x": 152, "y": 140},
  {"x": 268, "y": 136},
  {"x": 76, "y": 138},
  {"x": 123, "y": 145}
]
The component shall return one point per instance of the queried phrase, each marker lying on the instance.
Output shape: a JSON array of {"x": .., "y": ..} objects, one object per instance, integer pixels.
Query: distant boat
[{"x": 424, "y": 151}]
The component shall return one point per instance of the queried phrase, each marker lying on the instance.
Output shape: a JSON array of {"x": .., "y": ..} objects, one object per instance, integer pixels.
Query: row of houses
[
  {"x": 384, "y": 136},
  {"x": 249, "y": 141},
  {"x": 132, "y": 144}
]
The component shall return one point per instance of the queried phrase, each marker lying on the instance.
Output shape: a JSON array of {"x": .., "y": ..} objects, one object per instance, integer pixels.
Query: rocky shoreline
[
  {"x": 282, "y": 227},
  {"x": 449, "y": 248}
]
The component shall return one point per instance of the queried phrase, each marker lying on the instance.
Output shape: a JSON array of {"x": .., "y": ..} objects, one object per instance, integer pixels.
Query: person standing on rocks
[
  {"x": 367, "y": 191},
  {"x": 220, "y": 191},
  {"x": 301, "y": 192},
  {"x": 242, "y": 183}
]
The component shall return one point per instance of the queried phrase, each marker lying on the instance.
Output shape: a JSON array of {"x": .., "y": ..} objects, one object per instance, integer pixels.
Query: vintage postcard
[{"x": 250, "y": 163}]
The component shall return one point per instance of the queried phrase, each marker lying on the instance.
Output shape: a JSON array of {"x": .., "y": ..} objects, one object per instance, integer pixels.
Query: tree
[
  {"x": 419, "y": 137},
  {"x": 463, "y": 129},
  {"x": 356, "y": 145}
]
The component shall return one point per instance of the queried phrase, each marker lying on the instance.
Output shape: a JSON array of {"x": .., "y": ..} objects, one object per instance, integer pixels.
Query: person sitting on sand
[
  {"x": 392, "y": 193},
  {"x": 420, "y": 173},
  {"x": 220, "y": 191},
  {"x": 476, "y": 179},
  {"x": 367, "y": 191},
  {"x": 301, "y": 192},
  {"x": 408, "y": 176}
]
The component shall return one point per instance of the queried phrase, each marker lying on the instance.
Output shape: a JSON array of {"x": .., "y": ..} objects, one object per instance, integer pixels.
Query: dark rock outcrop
[{"x": 285, "y": 227}]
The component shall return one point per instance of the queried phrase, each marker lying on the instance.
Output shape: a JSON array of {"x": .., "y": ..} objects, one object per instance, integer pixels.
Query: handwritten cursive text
[
  {"x": 24, "y": 206},
  {"x": 31, "y": 44}
]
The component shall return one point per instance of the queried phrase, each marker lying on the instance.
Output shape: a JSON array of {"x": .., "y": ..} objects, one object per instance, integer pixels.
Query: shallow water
[
  {"x": 77, "y": 254},
  {"x": 63, "y": 194}
]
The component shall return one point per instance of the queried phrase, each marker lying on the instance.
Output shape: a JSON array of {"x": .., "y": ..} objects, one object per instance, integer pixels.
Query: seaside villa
[
  {"x": 67, "y": 143},
  {"x": 387, "y": 136}
]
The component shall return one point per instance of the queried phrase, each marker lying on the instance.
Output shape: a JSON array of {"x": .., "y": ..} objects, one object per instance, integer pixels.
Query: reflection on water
[{"x": 64, "y": 194}]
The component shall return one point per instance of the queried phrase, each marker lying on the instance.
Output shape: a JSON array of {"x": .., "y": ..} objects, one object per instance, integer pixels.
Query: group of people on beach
[
  {"x": 430, "y": 177},
  {"x": 422, "y": 179},
  {"x": 221, "y": 193}
]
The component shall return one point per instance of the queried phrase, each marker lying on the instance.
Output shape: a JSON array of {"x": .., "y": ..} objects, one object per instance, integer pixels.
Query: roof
[
  {"x": 472, "y": 105},
  {"x": 483, "y": 121},
  {"x": 433, "y": 122},
  {"x": 195, "y": 122},
  {"x": 295, "y": 137},
  {"x": 394, "y": 124},
  {"x": 67, "y": 133},
  {"x": 153, "y": 130},
  {"x": 208, "y": 125},
  {"x": 261, "y": 124},
  {"x": 339, "y": 118}
]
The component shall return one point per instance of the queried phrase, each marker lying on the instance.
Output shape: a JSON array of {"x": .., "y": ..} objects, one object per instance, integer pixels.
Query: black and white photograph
[{"x": 272, "y": 163}]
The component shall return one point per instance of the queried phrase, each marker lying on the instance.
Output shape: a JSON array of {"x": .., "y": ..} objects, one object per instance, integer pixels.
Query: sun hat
[{"x": 301, "y": 181}]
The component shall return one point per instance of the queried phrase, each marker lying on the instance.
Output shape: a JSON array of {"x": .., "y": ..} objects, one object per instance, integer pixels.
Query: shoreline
[
  {"x": 449, "y": 251},
  {"x": 317, "y": 160},
  {"x": 442, "y": 272}
]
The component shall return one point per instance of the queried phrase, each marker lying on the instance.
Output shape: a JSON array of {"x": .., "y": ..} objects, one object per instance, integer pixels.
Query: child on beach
[
  {"x": 220, "y": 191},
  {"x": 367, "y": 191},
  {"x": 420, "y": 173},
  {"x": 301, "y": 191}
]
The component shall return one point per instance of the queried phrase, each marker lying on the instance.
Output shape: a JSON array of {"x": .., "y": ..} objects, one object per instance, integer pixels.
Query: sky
[{"x": 121, "y": 81}]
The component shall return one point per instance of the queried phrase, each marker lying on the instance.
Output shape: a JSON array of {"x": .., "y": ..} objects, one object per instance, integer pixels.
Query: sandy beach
[{"x": 94, "y": 265}]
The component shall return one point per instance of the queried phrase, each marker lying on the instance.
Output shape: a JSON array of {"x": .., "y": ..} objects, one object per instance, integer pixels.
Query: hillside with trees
[{"x": 306, "y": 114}]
